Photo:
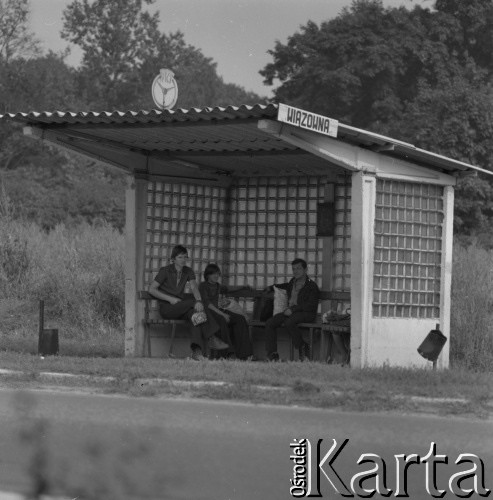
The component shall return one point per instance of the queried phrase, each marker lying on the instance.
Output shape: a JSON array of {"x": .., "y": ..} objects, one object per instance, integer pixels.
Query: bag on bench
[
  {"x": 230, "y": 304},
  {"x": 337, "y": 318}
]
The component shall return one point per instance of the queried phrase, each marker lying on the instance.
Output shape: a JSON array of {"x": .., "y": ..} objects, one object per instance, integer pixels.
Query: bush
[
  {"x": 472, "y": 308},
  {"x": 14, "y": 259},
  {"x": 78, "y": 272}
]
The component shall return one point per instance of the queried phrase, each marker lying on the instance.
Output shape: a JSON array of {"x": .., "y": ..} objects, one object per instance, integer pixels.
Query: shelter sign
[{"x": 305, "y": 119}]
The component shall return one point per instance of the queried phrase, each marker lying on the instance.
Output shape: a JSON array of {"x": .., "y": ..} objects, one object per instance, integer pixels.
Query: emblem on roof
[{"x": 165, "y": 89}]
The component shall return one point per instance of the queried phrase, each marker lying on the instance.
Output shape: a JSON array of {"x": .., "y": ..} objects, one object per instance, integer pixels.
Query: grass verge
[{"x": 291, "y": 383}]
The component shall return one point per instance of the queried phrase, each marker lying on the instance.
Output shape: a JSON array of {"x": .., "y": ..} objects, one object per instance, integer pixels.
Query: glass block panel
[
  {"x": 172, "y": 219},
  {"x": 407, "y": 257},
  {"x": 276, "y": 220},
  {"x": 341, "y": 260}
]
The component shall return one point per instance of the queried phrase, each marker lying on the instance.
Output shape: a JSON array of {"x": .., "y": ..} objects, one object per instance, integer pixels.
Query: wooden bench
[
  {"x": 337, "y": 302},
  {"x": 152, "y": 317}
]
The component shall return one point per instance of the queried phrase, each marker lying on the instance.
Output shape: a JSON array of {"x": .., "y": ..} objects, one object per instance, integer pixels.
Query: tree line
[
  {"x": 122, "y": 51},
  {"x": 421, "y": 75}
]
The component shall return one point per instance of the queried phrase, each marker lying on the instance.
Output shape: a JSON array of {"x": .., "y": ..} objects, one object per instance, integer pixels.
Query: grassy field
[
  {"x": 77, "y": 271},
  {"x": 472, "y": 308}
]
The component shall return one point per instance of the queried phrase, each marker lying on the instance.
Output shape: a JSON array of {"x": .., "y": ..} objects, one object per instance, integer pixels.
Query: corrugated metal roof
[
  {"x": 212, "y": 130},
  {"x": 154, "y": 116},
  {"x": 404, "y": 150}
]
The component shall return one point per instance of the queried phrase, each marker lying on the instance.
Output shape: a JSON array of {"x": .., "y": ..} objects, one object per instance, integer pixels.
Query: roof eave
[{"x": 362, "y": 138}]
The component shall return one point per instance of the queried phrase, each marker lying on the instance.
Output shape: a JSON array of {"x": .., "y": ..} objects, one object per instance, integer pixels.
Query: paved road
[{"x": 112, "y": 446}]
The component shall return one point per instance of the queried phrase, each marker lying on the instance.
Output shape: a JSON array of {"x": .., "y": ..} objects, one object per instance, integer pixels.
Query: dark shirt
[
  {"x": 308, "y": 295},
  {"x": 210, "y": 292},
  {"x": 167, "y": 278}
]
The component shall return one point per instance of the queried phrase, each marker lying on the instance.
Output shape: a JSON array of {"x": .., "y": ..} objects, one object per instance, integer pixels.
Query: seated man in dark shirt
[
  {"x": 169, "y": 285},
  {"x": 303, "y": 295},
  {"x": 234, "y": 327}
]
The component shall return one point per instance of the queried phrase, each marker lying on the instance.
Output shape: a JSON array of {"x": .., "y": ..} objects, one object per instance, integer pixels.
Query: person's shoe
[
  {"x": 273, "y": 356},
  {"x": 197, "y": 354},
  {"x": 216, "y": 344},
  {"x": 304, "y": 352}
]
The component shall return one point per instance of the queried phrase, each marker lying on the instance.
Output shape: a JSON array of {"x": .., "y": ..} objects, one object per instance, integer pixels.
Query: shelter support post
[
  {"x": 446, "y": 272},
  {"x": 328, "y": 243},
  {"x": 363, "y": 196},
  {"x": 135, "y": 234},
  {"x": 327, "y": 270}
]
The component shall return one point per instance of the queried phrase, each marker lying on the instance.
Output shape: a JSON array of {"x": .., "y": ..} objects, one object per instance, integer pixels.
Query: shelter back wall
[{"x": 253, "y": 230}]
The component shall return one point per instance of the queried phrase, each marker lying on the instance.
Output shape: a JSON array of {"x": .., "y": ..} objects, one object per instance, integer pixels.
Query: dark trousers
[
  {"x": 235, "y": 333},
  {"x": 290, "y": 323},
  {"x": 184, "y": 310}
]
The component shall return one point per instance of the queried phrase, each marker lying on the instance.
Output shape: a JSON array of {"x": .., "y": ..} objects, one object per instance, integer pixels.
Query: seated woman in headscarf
[
  {"x": 233, "y": 326},
  {"x": 169, "y": 286}
]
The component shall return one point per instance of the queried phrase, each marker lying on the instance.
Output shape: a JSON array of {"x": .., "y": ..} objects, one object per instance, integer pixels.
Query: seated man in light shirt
[{"x": 169, "y": 288}]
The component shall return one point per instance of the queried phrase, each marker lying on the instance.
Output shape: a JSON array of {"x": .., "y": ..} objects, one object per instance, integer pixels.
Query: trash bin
[
  {"x": 432, "y": 345},
  {"x": 48, "y": 342},
  {"x": 47, "y": 337}
]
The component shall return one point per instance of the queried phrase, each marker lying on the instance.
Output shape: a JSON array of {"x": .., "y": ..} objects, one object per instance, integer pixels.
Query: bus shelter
[{"x": 253, "y": 187}]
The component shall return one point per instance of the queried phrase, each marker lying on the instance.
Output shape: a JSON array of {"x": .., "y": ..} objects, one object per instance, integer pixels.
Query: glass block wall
[
  {"x": 341, "y": 263},
  {"x": 253, "y": 230},
  {"x": 184, "y": 214},
  {"x": 408, "y": 250},
  {"x": 271, "y": 222}
]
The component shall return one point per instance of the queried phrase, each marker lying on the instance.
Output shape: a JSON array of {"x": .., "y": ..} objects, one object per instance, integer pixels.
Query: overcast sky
[{"x": 236, "y": 34}]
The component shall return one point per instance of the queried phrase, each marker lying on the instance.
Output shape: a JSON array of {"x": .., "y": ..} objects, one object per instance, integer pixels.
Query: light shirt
[{"x": 298, "y": 285}]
